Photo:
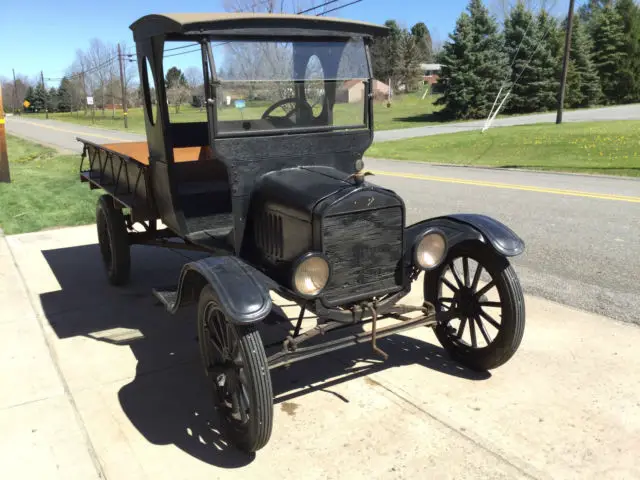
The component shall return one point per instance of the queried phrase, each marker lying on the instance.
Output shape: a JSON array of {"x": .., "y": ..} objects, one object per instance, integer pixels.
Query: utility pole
[
  {"x": 15, "y": 92},
  {"x": 44, "y": 89},
  {"x": 4, "y": 158},
  {"x": 124, "y": 88},
  {"x": 565, "y": 62}
]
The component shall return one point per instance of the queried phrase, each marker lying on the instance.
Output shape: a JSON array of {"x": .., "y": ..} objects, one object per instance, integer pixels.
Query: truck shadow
[{"x": 169, "y": 399}]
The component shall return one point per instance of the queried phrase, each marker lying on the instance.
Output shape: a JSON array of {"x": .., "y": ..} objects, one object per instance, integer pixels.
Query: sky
[{"x": 44, "y": 35}]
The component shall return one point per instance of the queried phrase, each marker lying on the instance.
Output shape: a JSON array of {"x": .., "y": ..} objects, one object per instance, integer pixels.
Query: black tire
[
  {"x": 113, "y": 240},
  {"x": 510, "y": 305},
  {"x": 246, "y": 368}
]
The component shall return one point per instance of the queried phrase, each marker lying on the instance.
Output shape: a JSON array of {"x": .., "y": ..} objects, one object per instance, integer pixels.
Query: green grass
[
  {"x": 406, "y": 111},
  {"x": 611, "y": 148},
  {"x": 45, "y": 190}
]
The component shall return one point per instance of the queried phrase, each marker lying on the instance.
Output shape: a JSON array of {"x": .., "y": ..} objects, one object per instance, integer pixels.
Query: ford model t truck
[{"x": 274, "y": 193}]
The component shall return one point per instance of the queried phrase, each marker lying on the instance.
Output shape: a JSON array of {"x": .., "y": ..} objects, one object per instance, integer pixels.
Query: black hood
[{"x": 301, "y": 188}]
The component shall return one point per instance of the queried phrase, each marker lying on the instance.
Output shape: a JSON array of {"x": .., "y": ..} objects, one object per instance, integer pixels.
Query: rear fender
[
  {"x": 462, "y": 227},
  {"x": 238, "y": 286}
]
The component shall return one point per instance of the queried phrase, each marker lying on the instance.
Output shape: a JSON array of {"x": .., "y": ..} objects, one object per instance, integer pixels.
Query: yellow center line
[
  {"x": 87, "y": 134},
  {"x": 509, "y": 186}
]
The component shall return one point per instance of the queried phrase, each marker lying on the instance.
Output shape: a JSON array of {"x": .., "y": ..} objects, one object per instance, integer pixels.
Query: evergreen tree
[
  {"x": 521, "y": 43},
  {"x": 39, "y": 97},
  {"x": 609, "y": 52},
  {"x": 548, "y": 60},
  {"x": 52, "y": 99},
  {"x": 386, "y": 53},
  {"x": 175, "y": 78},
  {"x": 584, "y": 89},
  {"x": 629, "y": 69},
  {"x": 475, "y": 64},
  {"x": 588, "y": 11},
  {"x": 423, "y": 39},
  {"x": 29, "y": 97},
  {"x": 409, "y": 69},
  {"x": 457, "y": 78},
  {"x": 65, "y": 98},
  {"x": 488, "y": 59}
]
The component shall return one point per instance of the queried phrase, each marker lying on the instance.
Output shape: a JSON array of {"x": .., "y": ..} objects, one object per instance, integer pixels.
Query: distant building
[
  {"x": 352, "y": 91},
  {"x": 430, "y": 72}
]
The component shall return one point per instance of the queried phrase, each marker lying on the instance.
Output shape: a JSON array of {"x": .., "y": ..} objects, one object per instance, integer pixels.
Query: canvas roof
[{"x": 249, "y": 23}]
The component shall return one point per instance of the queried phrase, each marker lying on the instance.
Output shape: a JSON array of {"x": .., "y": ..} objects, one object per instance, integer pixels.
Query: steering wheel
[{"x": 308, "y": 111}]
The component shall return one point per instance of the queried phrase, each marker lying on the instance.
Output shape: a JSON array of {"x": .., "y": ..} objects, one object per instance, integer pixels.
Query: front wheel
[
  {"x": 481, "y": 291},
  {"x": 235, "y": 362}
]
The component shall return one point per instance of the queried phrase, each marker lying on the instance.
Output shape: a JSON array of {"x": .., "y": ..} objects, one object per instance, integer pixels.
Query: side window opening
[
  {"x": 184, "y": 82},
  {"x": 150, "y": 97}
]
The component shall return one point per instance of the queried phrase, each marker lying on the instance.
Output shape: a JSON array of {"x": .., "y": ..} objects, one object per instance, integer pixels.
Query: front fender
[
  {"x": 468, "y": 226},
  {"x": 238, "y": 286}
]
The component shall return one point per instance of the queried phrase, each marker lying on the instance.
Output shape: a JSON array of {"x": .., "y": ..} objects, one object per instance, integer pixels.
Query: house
[
  {"x": 352, "y": 91},
  {"x": 430, "y": 72}
]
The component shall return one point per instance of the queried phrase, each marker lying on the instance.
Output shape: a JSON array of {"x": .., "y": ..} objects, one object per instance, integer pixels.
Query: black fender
[
  {"x": 467, "y": 226},
  {"x": 238, "y": 286}
]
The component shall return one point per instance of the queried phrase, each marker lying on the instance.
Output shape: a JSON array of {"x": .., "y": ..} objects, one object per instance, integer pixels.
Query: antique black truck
[{"x": 277, "y": 198}]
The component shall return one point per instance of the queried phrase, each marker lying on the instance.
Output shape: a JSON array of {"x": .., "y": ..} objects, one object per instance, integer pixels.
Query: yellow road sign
[{"x": 26, "y": 104}]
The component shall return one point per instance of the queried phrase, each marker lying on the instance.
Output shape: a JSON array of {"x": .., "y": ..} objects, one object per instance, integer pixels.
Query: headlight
[
  {"x": 311, "y": 275},
  {"x": 431, "y": 250}
]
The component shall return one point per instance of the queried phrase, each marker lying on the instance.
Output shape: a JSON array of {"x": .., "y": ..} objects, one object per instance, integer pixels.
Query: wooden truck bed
[{"x": 139, "y": 152}]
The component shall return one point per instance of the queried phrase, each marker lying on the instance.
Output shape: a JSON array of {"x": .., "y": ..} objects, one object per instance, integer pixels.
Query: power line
[
  {"x": 178, "y": 48},
  {"x": 338, "y": 8},
  {"x": 182, "y": 53},
  {"x": 182, "y": 47},
  {"x": 85, "y": 72},
  {"x": 317, "y": 7}
]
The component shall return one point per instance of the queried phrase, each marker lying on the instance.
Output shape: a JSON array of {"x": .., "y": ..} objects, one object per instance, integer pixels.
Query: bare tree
[
  {"x": 271, "y": 6},
  {"x": 13, "y": 93},
  {"x": 178, "y": 94}
]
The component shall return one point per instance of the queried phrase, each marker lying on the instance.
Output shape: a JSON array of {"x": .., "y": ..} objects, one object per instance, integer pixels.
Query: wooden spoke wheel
[
  {"x": 113, "y": 240},
  {"x": 482, "y": 292},
  {"x": 236, "y": 364}
]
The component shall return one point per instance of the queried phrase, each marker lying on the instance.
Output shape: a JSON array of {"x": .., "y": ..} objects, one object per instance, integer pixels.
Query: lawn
[
  {"x": 611, "y": 148},
  {"x": 406, "y": 111},
  {"x": 45, "y": 190}
]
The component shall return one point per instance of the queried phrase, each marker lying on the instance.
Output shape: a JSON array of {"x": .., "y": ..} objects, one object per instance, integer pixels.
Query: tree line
[
  {"x": 523, "y": 56},
  {"x": 397, "y": 57}
]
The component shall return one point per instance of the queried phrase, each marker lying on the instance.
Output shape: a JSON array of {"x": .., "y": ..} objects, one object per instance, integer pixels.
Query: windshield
[{"x": 273, "y": 85}]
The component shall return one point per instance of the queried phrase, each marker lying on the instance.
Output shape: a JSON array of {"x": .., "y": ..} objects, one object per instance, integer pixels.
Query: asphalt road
[{"x": 582, "y": 232}]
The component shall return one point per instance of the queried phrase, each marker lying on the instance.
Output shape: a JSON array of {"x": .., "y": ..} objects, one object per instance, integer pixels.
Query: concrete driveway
[{"x": 99, "y": 382}]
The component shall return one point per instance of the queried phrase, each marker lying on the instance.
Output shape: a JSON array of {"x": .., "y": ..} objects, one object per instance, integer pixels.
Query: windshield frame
[{"x": 215, "y": 83}]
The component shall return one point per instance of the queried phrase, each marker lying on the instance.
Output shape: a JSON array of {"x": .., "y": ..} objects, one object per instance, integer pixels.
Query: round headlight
[
  {"x": 430, "y": 250},
  {"x": 311, "y": 275}
]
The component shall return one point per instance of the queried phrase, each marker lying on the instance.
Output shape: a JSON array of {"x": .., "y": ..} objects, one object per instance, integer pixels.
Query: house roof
[
  {"x": 246, "y": 23},
  {"x": 430, "y": 66}
]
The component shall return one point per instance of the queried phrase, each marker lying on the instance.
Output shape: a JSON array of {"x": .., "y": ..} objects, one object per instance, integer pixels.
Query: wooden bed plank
[{"x": 139, "y": 151}]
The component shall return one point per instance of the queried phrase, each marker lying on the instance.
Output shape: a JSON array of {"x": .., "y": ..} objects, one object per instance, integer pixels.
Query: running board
[{"x": 167, "y": 297}]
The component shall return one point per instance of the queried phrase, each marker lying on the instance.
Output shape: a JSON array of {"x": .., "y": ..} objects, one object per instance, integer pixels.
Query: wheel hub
[{"x": 467, "y": 302}]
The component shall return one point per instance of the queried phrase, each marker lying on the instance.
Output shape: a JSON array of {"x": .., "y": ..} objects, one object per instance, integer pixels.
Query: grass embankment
[
  {"x": 406, "y": 111},
  {"x": 611, "y": 148},
  {"x": 45, "y": 190}
]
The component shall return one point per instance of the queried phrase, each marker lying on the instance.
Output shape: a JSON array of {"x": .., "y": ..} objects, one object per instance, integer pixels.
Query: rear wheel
[
  {"x": 235, "y": 362},
  {"x": 113, "y": 240},
  {"x": 482, "y": 292}
]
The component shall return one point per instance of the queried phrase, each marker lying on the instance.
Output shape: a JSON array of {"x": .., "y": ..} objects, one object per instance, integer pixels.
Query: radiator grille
[
  {"x": 365, "y": 251},
  {"x": 269, "y": 235}
]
